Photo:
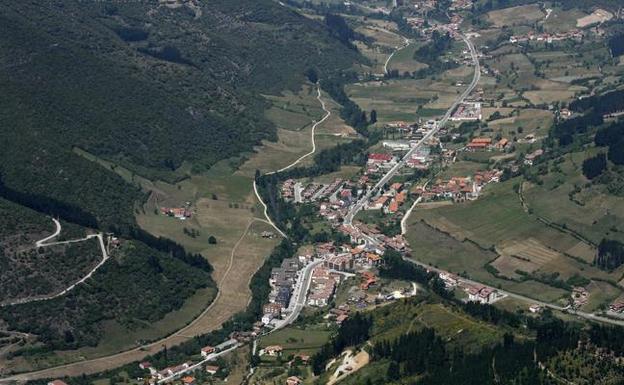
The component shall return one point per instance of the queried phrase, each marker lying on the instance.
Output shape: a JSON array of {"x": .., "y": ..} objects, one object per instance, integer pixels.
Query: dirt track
[{"x": 233, "y": 296}]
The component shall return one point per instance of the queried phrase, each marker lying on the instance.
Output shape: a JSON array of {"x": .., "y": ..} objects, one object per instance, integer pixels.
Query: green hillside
[{"x": 147, "y": 86}]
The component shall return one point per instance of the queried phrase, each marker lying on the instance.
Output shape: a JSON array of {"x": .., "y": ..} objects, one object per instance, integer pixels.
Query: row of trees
[{"x": 353, "y": 331}]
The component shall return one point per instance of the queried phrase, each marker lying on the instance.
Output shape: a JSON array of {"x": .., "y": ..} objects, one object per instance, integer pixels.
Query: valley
[{"x": 440, "y": 174}]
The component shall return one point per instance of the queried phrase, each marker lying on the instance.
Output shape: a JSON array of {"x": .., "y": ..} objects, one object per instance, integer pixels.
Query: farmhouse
[
  {"x": 479, "y": 144},
  {"x": 273, "y": 350},
  {"x": 207, "y": 351},
  {"x": 482, "y": 294},
  {"x": 211, "y": 369}
]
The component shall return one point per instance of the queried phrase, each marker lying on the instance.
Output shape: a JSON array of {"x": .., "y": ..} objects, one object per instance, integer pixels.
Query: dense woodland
[
  {"x": 115, "y": 80},
  {"x": 137, "y": 285}
]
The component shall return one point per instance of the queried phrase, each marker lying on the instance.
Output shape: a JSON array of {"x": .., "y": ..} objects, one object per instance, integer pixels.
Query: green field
[{"x": 295, "y": 340}]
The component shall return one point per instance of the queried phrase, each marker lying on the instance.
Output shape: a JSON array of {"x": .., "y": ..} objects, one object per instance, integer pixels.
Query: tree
[
  {"x": 616, "y": 152},
  {"x": 373, "y": 117},
  {"x": 594, "y": 166},
  {"x": 311, "y": 74},
  {"x": 212, "y": 240}
]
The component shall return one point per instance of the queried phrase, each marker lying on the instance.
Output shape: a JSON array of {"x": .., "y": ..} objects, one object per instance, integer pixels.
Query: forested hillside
[
  {"x": 145, "y": 85},
  {"x": 137, "y": 285}
]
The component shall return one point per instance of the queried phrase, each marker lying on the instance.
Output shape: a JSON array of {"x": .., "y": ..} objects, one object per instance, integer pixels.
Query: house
[
  {"x": 57, "y": 382},
  {"x": 379, "y": 159},
  {"x": 617, "y": 306},
  {"x": 188, "y": 380},
  {"x": 535, "y": 308},
  {"x": 206, "y": 351},
  {"x": 211, "y": 369},
  {"x": 273, "y": 350},
  {"x": 530, "y": 158},
  {"x": 293, "y": 380},
  {"x": 341, "y": 318},
  {"x": 479, "y": 144},
  {"x": 501, "y": 144},
  {"x": 378, "y": 204},
  {"x": 275, "y": 309},
  {"x": 368, "y": 279},
  {"x": 267, "y": 318},
  {"x": 342, "y": 262},
  {"x": 373, "y": 259},
  {"x": 305, "y": 359},
  {"x": 482, "y": 294}
]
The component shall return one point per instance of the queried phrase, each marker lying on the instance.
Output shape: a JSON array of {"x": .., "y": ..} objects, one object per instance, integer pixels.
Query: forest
[{"x": 138, "y": 284}]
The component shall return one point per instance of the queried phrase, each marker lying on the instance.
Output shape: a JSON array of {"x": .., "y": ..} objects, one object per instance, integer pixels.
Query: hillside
[{"x": 148, "y": 86}]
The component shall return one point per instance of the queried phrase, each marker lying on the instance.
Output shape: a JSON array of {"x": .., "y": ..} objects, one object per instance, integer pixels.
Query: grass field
[
  {"x": 522, "y": 15},
  {"x": 497, "y": 222},
  {"x": 593, "y": 213},
  {"x": 403, "y": 60},
  {"x": 294, "y": 340}
]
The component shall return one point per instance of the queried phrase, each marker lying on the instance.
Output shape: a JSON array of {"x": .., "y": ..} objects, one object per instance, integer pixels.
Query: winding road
[
  {"x": 297, "y": 161},
  {"x": 406, "y": 44},
  {"x": 45, "y": 242}
]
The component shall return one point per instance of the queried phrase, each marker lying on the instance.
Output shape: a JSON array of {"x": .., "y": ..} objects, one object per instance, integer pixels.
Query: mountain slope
[{"x": 148, "y": 86}]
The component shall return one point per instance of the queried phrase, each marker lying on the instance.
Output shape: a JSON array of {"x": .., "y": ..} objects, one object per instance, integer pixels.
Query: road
[
  {"x": 406, "y": 43},
  {"x": 392, "y": 172},
  {"x": 45, "y": 243},
  {"x": 312, "y": 134},
  {"x": 588, "y": 316},
  {"x": 200, "y": 325},
  {"x": 42, "y": 242},
  {"x": 300, "y": 294}
]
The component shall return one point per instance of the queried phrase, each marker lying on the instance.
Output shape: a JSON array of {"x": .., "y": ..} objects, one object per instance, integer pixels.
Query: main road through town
[{"x": 392, "y": 172}]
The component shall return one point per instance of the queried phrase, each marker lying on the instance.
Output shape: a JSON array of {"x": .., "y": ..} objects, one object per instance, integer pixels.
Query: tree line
[{"x": 353, "y": 331}]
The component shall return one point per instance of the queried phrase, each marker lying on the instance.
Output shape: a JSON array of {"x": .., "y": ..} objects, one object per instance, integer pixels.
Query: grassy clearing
[
  {"x": 403, "y": 60},
  {"x": 522, "y": 15},
  {"x": 295, "y": 340},
  {"x": 457, "y": 328}
]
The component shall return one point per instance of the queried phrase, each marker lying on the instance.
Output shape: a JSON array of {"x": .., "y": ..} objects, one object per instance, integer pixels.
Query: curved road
[
  {"x": 313, "y": 133},
  {"x": 44, "y": 243},
  {"x": 406, "y": 43},
  {"x": 103, "y": 363}
]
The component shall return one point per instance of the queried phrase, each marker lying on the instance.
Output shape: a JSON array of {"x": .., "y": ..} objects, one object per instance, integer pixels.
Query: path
[
  {"x": 45, "y": 243},
  {"x": 198, "y": 326},
  {"x": 312, "y": 134},
  {"x": 42, "y": 242},
  {"x": 406, "y": 44}
]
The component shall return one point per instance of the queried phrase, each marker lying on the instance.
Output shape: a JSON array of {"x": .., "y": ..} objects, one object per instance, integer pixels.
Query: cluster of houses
[
  {"x": 476, "y": 293},
  {"x": 282, "y": 281},
  {"x": 547, "y": 37},
  {"x": 323, "y": 286},
  {"x": 459, "y": 189},
  {"x": 390, "y": 200},
  {"x": 184, "y": 370},
  {"x": 296, "y": 192},
  {"x": 487, "y": 144},
  {"x": 467, "y": 111}
]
